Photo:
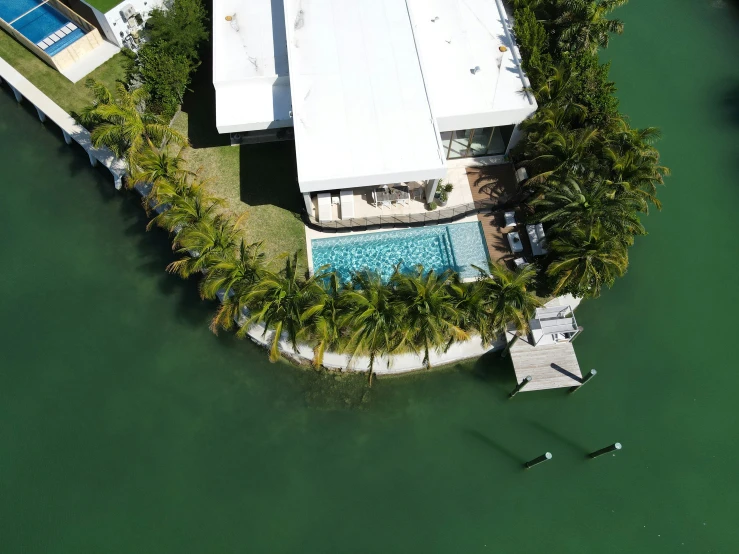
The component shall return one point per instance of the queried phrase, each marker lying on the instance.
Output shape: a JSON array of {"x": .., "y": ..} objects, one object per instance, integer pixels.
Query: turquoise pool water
[
  {"x": 38, "y": 24},
  {"x": 458, "y": 246}
]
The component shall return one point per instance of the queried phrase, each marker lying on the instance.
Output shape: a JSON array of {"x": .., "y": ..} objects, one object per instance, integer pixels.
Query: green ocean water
[{"x": 126, "y": 426}]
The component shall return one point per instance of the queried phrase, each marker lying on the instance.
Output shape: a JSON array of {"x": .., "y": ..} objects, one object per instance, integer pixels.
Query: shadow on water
[
  {"x": 495, "y": 371},
  {"x": 543, "y": 429},
  {"x": 499, "y": 448}
]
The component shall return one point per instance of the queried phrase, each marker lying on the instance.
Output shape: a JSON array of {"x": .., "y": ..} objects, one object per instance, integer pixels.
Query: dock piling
[
  {"x": 93, "y": 159},
  {"x": 606, "y": 450},
  {"x": 541, "y": 459},
  {"x": 520, "y": 386},
  {"x": 17, "y": 94},
  {"x": 41, "y": 115},
  {"x": 67, "y": 137},
  {"x": 587, "y": 378}
]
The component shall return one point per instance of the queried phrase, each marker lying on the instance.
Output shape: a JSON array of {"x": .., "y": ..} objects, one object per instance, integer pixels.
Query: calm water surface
[{"x": 126, "y": 426}]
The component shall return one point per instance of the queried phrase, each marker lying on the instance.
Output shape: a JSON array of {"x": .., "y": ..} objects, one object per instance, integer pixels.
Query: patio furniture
[
  {"x": 521, "y": 174},
  {"x": 537, "y": 239},
  {"x": 520, "y": 262},
  {"x": 347, "y": 204},
  {"x": 392, "y": 195},
  {"x": 510, "y": 219},
  {"x": 325, "y": 210},
  {"x": 514, "y": 240}
]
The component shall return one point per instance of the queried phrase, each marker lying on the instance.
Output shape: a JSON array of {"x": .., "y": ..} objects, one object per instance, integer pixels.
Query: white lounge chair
[
  {"x": 325, "y": 210},
  {"x": 347, "y": 204},
  {"x": 520, "y": 262},
  {"x": 510, "y": 219}
]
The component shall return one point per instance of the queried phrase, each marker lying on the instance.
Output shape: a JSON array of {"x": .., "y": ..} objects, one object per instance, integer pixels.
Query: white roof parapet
[
  {"x": 250, "y": 69},
  {"x": 361, "y": 111},
  {"x": 456, "y": 37}
]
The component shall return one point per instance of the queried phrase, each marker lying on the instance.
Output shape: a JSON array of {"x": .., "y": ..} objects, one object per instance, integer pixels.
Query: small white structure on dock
[{"x": 547, "y": 354}]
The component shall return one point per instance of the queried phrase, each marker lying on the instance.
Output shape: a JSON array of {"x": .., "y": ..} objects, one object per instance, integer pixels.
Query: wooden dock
[{"x": 551, "y": 366}]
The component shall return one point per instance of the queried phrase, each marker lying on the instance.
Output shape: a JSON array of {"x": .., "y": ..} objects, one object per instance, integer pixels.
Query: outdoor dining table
[{"x": 393, "y": 195}]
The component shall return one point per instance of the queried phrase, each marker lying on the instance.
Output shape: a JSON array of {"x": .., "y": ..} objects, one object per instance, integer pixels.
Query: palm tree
[
  {"x": 123, "y": 124},
  {"x": 587, "y": 259},
  {"x": 564, "y": 152},
  {"x": 373, "y": 319},
  {"x": 204, "y": 244},
  {"x": 509, "y": 298},
  {"x": 234, "y": 277},
  {"x": 185, "y": 206},
  {"x": 637, "y": 170},
  {"x": 429, "y": 313},
  {"x": 583, "y": 25},
  {"x": 325, "y": 325},
  {"x": 568, "y": 205},
  {"x": 158, "y": 166},
  {"x": 471, "y": 302},
  {"x": 285, "y": 303}
]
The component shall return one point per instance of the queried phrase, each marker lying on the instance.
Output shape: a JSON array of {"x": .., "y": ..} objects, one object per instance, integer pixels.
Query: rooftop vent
[
  {"x": 475, "y": 70},
  {"x": 128, "y": 11}
]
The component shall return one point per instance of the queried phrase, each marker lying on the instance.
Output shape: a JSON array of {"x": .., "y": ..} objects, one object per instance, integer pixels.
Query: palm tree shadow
[{"x": 500, "y": 449}]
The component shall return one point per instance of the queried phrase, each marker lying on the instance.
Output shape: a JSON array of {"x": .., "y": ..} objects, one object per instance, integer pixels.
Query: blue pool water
[
  {"x": 458, "y": 246},
  {"x": 38, "y": 24}
]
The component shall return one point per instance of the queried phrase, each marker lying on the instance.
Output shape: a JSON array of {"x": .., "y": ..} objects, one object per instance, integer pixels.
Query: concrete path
[{"x": 90, "y": 61}]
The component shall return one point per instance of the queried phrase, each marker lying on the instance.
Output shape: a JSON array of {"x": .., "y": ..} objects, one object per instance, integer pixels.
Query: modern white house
[{"x": 377, "y": 92}]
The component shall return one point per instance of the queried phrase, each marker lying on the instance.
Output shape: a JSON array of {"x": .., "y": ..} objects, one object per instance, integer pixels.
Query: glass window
[
  {"x": 446, "y": 139},
  {"x": 497, "y": 144},
  {"x": 480, "y": 141},
  {"x": 460, "y": 144}
]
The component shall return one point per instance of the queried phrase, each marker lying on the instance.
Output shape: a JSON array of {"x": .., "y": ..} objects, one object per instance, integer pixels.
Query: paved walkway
[{"x": 90, "y": 61}]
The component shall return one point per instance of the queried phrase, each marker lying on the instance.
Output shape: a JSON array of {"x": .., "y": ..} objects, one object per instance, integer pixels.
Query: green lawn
[
  {"x": 69, "y": 96},
  {"x": 257, "y": 180},
  {"x": 103, "y": 5}
]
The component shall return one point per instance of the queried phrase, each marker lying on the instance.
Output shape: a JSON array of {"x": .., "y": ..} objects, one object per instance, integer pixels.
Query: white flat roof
[
  {"x": 360, "y": 107},
  {"x": 250, "y": 69},
  {"x": 456, "y": 36}
]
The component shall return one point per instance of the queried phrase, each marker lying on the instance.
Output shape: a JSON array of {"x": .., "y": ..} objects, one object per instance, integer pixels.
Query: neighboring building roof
[
  {"x": 361, "y": 110},
  {"x": 455, "y": 37},
  {"x": 250, "y": 69}
]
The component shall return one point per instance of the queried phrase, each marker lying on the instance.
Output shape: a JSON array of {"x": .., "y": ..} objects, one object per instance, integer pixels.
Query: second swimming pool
[
  {"x": 458, "y": 246},
  {"x": 39, "y": 24}
]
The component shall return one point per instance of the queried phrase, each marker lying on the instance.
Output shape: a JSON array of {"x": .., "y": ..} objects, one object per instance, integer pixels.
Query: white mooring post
[
  {"x": 41, "y": 115},
  {"x": 66, "y": 136}
]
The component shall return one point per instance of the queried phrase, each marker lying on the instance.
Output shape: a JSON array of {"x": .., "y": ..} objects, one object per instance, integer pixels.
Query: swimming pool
[
  {"x": 43, "y": 23},
  {"x": 458, "y": 246}
]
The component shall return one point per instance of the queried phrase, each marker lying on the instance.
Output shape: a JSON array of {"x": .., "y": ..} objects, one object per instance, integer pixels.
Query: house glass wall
[{"x": 467, "y": 143}]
